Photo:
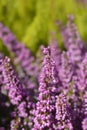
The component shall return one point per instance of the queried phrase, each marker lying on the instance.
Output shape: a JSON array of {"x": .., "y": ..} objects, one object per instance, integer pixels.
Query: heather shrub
[{"x": 47, "y": 91}]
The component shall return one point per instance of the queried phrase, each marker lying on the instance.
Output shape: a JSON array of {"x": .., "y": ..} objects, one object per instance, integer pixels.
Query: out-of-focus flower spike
[
  {"x": 66, "y": 69},
  {"x": 84, "y": 124},
  {"x": 82, "y": 75},
  {"x": 72, "y": 41},
  {"x": 55, "y": 50},
  {"x": 21, "y": 53}
]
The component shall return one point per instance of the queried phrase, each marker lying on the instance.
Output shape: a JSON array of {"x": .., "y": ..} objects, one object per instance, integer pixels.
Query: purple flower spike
[
  {"x": 55, "y": 51},
  {"x": 72, "y": 41},
  {"x": 82, "y": 75},
  {"x": 21, "y": 53},
  {"x": 17, "y": 95},
  {"x": 23, "y": 60},
  {"x": 66, "y": 69},
  {"x": 13, "y": 85},
  {"x": 84, "y": 122},
  {"x": 62, "y": 114},
  {"x": 45, "y": 106}
]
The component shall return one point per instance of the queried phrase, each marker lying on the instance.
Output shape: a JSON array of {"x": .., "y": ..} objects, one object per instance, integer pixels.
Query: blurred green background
[{"x": 33, "y": 20}]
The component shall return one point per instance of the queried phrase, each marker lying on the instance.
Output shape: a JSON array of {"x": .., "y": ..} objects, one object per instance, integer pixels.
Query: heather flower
[
  {"x": 72, "y": 41},
  {"x": 75, "y": 53},
  {"x": 15, "y": 124},
  {"x": 60, "y": 101},
  {"x": 85, "y": 103},
  {"x": 5, "y": 105},
  {"x": 66, "y": 69},
  {"x": 62, "y": 114},
  {"x": 13, "y": 85},
  {"x": 15, "y": 91},
  {"x": 84, "y": 122},
  {"x": 22, "y": 109},
  {"x": 45, "y": 106},
  {"x": 70, "y": 32},
  {"x": 55, "y": 51},
  {"x": 82, "y": 75},
  {"x": 23, "y": 55},
  {"x": 24, "y": 61},
  {"x": 68, "y": 79},
  {"x": 66, "y": 75}
]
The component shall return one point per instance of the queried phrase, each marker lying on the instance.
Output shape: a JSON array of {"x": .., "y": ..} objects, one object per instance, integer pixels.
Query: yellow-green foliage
[{"x": 33, "y": 20}]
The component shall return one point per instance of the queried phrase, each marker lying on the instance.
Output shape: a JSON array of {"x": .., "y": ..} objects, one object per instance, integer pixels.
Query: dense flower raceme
[
  {"x": 17, "y": 95},
  {"x": 84, "y": 122},
  {"x": 50, "y": 90},
  {"x": 62, "y": 113},
  {"x": 45, "y": 107}
]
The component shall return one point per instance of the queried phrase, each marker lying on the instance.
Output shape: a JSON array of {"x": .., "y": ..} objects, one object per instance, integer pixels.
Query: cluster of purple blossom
[{"x": 46, "y": 92}]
